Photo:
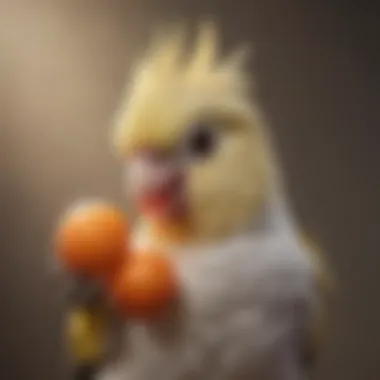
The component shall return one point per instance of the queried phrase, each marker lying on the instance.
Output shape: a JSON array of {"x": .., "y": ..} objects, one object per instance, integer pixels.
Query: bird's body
[{"x": 248, "y": 303}]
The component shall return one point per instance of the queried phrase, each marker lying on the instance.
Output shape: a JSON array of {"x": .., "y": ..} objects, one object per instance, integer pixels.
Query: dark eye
[{"x": 201, "y": 141}]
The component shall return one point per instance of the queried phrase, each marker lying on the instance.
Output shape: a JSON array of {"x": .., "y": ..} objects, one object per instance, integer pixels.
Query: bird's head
[{"x": 193, "y": 139}]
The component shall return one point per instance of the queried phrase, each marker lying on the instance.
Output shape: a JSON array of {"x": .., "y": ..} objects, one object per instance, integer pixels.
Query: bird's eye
[{"x": 201, "y": 141}]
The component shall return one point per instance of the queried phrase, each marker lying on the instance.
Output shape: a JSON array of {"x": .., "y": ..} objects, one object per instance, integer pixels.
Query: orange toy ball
[
  {"x": 145, "y": 286},
  {"x": 92, "y": 238}
]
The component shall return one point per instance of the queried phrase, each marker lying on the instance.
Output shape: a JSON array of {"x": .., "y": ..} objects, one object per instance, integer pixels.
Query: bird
[{"x": 202, "y": 172}]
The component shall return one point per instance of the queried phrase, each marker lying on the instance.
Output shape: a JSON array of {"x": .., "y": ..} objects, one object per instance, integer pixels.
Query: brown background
[{"x": 62, "y": 64}]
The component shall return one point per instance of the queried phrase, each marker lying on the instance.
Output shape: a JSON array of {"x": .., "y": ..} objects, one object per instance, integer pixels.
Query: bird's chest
[
  {"x": 221, "y": 320},
  {"x": 209, "y": 338}
]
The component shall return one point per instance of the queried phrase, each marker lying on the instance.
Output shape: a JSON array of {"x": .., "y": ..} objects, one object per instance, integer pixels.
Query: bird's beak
[{"x": 157, "y": 184}]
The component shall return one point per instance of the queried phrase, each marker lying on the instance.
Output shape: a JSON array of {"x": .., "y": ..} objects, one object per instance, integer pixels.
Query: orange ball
[
  {"x": 92, "y": 239},
  {"x": 145, "y": 286}
]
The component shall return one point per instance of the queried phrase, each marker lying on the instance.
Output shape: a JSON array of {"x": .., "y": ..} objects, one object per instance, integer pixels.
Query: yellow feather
[
  {"x": 327, "y": 288},
  {"x": 168, "y": 89},
  {"x": 204, "y": 58}
]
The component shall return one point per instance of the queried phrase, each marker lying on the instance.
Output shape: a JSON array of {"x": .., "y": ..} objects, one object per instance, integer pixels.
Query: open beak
[{"x": 157, "y": 184}]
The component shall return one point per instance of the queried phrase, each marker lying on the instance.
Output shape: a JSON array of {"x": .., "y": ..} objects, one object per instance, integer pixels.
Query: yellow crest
[{"x": 172, "y": 83}]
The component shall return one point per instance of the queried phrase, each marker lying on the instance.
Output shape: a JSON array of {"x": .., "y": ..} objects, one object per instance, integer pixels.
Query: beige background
[{"x": 62, "y": 65}]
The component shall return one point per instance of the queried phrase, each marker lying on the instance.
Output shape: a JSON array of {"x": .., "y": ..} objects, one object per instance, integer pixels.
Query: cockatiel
[{"x": 202, "y": 173}]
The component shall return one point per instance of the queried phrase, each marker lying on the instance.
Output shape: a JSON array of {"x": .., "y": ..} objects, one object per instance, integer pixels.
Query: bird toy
[{"x": 93, "y": 246}]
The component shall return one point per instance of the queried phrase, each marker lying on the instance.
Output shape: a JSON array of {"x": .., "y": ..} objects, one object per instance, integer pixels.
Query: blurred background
[{"x": 62, "y": 68}]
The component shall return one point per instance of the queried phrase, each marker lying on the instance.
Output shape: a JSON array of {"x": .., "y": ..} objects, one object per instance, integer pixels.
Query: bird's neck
[{"x": 274, "y": 217}]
